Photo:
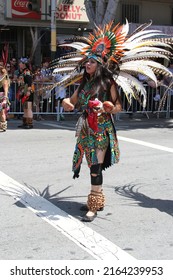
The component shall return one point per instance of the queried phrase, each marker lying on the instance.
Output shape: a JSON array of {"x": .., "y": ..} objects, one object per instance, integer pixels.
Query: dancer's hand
[
  {"x": 67, "y": 105},
  {"x": 108, "y": 106}
]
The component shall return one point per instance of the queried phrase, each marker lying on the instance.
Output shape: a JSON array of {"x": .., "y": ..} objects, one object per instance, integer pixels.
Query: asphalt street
[{"x": 37, "y": 187}]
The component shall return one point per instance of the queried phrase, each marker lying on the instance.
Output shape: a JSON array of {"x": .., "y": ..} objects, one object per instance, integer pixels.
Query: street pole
[{"x": 53, "y": 28}]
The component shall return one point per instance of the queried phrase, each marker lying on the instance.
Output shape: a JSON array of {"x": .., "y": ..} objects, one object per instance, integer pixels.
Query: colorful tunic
[
  {"x": 89, "y": 140},
  {"x": 4, "y": 102}
]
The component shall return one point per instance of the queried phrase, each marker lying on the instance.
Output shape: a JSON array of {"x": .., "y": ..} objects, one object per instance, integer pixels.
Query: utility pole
[{"x": 53, "y": 28}]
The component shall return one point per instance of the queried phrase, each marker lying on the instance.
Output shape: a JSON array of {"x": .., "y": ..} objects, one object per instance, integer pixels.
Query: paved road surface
[{"x": 40, "y": 216}]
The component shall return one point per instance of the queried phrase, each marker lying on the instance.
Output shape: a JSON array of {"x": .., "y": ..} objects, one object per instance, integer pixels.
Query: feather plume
[
  {"x": 135, "y": 53},
  {"x": 148, "y": 49},
  {"x": 143, "y": 56},
  {"x": 141, "y": 27},
  {"x": 143, "y": 35}
]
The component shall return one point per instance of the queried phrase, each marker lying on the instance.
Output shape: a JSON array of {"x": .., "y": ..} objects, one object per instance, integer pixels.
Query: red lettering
[
  {"x": 73, "y": 9},
  {"x": 77, "y": 9},
  {"x": 62, "y": 16},
  {"x": 60, "y": 7},
  {"x": 68, "y": 16},
  {"x": 76, "y": 16},
  {"x": 66, "y": 8},
  {"x": 69, "y": 8}
]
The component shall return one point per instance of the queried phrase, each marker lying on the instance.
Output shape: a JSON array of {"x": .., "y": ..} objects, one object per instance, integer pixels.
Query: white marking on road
[
  {"x": 86, "y": 238},
  {"x": 58, "y": 125},
  {"x": 70, "y": 127},
  {"x": 135, "y": 141},
  {"x": 147, "y": 144}
]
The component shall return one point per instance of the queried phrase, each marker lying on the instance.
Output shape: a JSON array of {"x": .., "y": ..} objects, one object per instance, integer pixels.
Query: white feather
[
  {"x": 134, "y": 67},
  {"x": 146, "y": 49},
  {"x": 63, "y": 69},
  {"x": 134, "y": 81},
  {"x": 76, "y": 45},
  {"x": 144, "y": 34}
]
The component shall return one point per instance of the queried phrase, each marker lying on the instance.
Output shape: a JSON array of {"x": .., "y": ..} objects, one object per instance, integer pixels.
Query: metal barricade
[{"x": 45, "y": 102}]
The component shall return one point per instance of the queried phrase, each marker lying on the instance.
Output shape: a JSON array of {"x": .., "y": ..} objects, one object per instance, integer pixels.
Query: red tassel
[
  {"x": 93, "y": 103},
  {"x": 92, "y": 121},
  {"x": 24, "y": 98},
  {"x": 92, "y": 117}
]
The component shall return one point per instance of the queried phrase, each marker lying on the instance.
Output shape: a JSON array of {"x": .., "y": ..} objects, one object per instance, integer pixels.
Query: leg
[
  {"x": 29, "y": 115},
  {"x": 3, "y": 122},
  {"x": 24, "y": 122},
  {"x": 24, "y": 119},
  {"x": 96, "y": 197}
]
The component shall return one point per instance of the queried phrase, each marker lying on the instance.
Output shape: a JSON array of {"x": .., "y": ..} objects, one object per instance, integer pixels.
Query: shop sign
[
  {"x": 19, "y": 10},
  {"x": 71, "y": 10}
]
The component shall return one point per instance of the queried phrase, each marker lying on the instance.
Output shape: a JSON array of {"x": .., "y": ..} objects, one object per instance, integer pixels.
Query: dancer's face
[{"x": 91, "y": 66}]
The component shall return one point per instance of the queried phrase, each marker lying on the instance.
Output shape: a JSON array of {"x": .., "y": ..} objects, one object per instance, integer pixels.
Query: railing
[{"x": 45, "y": 102}]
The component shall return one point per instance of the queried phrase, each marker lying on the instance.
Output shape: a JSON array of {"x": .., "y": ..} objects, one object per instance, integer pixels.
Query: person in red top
[{"x": 25, "y": 92}]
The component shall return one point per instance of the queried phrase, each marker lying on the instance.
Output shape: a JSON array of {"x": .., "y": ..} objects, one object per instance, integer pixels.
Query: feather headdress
[{"x": 135, "y": 53}]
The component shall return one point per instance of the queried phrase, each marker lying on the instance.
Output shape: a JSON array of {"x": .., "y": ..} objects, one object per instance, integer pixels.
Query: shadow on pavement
[
  {"x": 142, "y": 200},
  {"x": 65, "y": 203}
]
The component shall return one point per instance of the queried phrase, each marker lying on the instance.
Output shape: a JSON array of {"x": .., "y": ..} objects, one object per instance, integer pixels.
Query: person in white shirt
[{"x": 60, "y": 94}]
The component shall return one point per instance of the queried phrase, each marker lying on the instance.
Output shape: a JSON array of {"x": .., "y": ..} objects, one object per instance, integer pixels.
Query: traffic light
[{"x": 34, "y": 6}]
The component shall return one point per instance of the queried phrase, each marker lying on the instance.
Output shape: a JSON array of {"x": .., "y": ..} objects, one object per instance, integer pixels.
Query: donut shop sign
[{"x": 72, "y": 10}]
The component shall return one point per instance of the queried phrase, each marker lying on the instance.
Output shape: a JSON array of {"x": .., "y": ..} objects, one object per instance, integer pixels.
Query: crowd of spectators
[{"x": 46, "y": 100}]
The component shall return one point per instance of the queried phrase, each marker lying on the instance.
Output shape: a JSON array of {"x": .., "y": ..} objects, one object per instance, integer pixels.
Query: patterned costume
[
  {"x": 102, "y": 136},
  {"x": 4, "y": 102}
]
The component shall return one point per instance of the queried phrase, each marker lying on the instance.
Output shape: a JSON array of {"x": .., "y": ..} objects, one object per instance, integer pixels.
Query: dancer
[
  {"x": 98, "y": 97},
  {"x": 107, "y": 59}
]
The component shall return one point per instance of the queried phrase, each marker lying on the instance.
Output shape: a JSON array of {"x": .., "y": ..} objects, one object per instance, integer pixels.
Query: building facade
[{"x": 21, "y": 27}]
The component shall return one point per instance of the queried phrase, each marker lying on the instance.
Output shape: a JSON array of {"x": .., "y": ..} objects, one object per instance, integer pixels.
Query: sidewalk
[{"x": 136, "y": 120}]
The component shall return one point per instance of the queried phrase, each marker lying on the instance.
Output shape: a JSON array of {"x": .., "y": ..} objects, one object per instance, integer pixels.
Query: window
[{"x": 131, "y": 12}]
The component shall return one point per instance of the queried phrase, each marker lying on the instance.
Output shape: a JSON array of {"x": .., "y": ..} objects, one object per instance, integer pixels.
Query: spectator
[
  {"x": 13, "y": 64},
  {"x": 4, "y": 103},
  {"x": 46, "y": 77},
  {"x": 60, "y": 94},
  {"x": 26, "y": 93},
  {"x": 156, "y": 101},
  {"x": 168, "y": 81},
  {"x": 11, "y": 93},
  {"x": 37, "y": 78},
  {"x": 18, "y": 81}
]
